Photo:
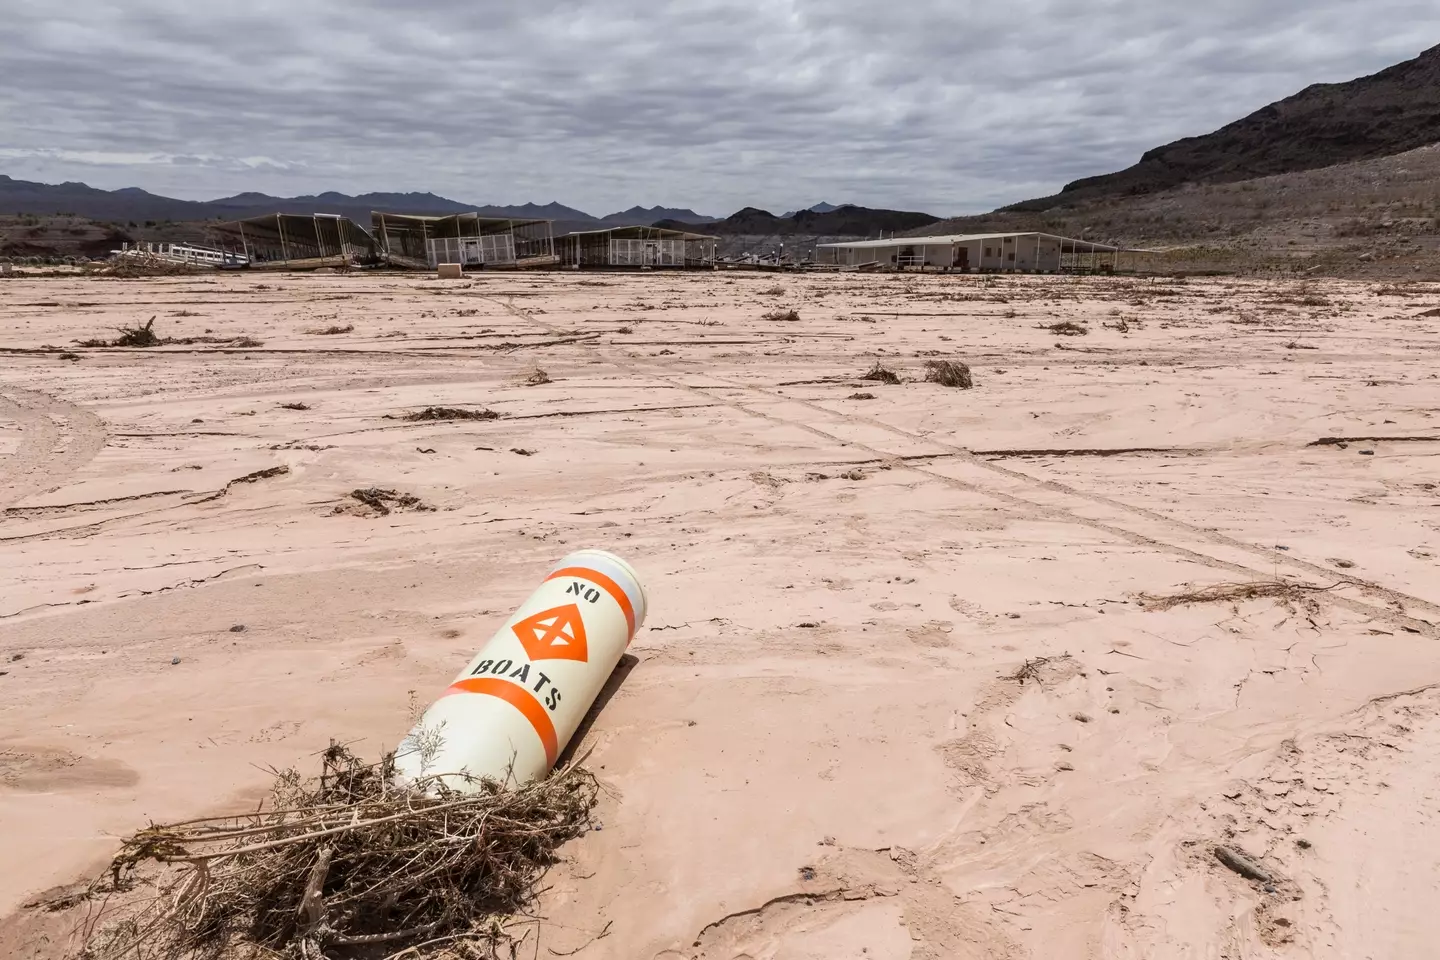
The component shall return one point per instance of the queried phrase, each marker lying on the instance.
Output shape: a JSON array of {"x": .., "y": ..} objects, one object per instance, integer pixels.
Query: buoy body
[{"x": 512, "y": 710}]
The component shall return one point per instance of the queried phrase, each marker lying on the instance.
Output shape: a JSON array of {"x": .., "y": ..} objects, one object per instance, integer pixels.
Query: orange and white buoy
[{"x": 514, "y": 707}]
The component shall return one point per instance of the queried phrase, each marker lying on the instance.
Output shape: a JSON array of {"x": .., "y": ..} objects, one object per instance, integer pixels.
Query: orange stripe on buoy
[
  {"x": 604, "y": 583},
  {"x": 515, "y": 695}
]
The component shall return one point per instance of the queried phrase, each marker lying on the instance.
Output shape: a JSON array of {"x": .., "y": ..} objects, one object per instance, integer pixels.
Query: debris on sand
[
  {"x": 295, "y": 406},
  {"x": 378, "y": 501},
  {"x": 259, "y": 475},
  {"x": 1065, "y": 328},
  {"x": 254, "y": 477},
  {"x": 133, "y": 266},
  {"x": 537, "y": 378},
  {"x": 1243, "y": 864},
  {"x": 146, "y": 337},
  {"x": 448, "y": 413},
  {"x": 522, "y": 451},
  {"x": 949, "y": 373},
  {"x": 882, "y": 374},
  {"x": 344, "y": 861},
  {"x": 789, "y": 316},
  {"x": 861, "y": 396},
  {"x": 129, "y": 337},
  {"x": 1034, "y": 669},
  {"x": 332, "y": 331},
  {"x": 1280, "y": 590}
]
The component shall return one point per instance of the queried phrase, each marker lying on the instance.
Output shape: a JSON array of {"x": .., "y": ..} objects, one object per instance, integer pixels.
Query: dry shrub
[
  {"x": 1279, "y": 590},
  {"x": 129, "y": 337},
  {"x": 146, "y": 337},
  {"x": 880, "y": 373},
  {"x": 949, "y": 373},
  {"x": 350, "y": 863},
  {"x": 1065, "y": 328},
  {"x": 450, "y": 413},
  {"x": 788, "y": 316}
]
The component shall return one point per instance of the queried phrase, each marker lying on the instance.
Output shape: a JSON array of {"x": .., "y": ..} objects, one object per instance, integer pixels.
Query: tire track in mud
[
  {"x": 56, "y": 439},
  {"x": 1033, "y": 509}
]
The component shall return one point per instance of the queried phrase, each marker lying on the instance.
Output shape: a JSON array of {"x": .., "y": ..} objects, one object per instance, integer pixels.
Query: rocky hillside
[
  {"x": 1369, "y": 218},
  {"x": 1395, "y": 110}
]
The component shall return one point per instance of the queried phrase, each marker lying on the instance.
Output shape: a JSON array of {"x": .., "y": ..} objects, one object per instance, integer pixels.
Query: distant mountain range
[
  {"x": 846, "y": 221},
  {"x": 1387, "y": 113},
  {"x": 133, "y": 205},
  {"x": 821, "y": 207}
]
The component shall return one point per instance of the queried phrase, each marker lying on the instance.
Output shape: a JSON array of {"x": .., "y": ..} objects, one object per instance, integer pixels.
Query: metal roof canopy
[
  {"x": 277, "y": 221},
  {"x": 640, "y": 232},
  {"x": 401, "y": 219},
  {"x": 1083, "y": 246}
]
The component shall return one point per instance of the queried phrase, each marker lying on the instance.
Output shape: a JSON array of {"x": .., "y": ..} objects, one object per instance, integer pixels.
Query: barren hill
[
  {"x": 1370, "y": 217},
  {"x": 1395, "y": 110}
]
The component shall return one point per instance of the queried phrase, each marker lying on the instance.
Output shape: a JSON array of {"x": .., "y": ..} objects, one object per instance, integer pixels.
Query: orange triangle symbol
[{"x": 554, "y": 634}]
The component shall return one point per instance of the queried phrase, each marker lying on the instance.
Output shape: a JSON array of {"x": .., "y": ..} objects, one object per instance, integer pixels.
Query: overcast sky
[{"x": 947, "y": 106}]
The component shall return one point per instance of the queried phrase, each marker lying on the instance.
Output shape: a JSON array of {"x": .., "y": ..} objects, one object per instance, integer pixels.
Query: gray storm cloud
[{"x": 942, "y": 106}]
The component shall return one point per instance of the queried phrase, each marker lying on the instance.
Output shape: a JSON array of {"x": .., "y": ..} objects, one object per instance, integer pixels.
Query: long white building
[{"x": 984, "y": 252}]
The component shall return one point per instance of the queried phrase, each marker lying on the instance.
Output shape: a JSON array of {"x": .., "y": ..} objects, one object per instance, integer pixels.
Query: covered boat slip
[
  {"x": 425, "y": 242},
  {"x": 980, "y": 252},
  {"x": 294, "y": 241},
  {"x": 635, "y": 247}
]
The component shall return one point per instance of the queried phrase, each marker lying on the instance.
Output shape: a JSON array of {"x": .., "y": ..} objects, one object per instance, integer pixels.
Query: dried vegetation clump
[
  {"x": 788, "y": 316},
  {"x": 1282, "y": 591},
  {"x": 880, "y": 373},
  {"x": 331, "y": 331},
  {"x": 449, "y": 413},
  {"x": 382, "y": 502},
  {"x": 147, "y": 337},
  {"x": 1036, "y": 669},
  {"x": 1066, "y": 328},
  {"x": 132, "y": 337},
  {"x": 949, "y": 373},
  {"x": 348, "y": 864}
]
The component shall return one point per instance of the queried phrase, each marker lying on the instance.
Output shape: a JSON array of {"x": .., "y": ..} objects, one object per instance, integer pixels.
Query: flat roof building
[
  {"x": 425, "y": 242},
  {"x": 981, "y": 252},
  {"x": 635, "y": 247}
]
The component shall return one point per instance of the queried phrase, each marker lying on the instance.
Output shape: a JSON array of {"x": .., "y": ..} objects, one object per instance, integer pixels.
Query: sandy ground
[{"x": 823, "y": 749}]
